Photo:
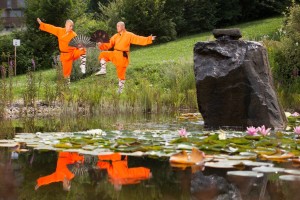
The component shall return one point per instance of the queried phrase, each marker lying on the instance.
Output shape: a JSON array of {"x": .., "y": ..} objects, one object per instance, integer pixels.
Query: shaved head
[
  {"x": 120, "y": 26},
  {"x": 69, "y": 25}
]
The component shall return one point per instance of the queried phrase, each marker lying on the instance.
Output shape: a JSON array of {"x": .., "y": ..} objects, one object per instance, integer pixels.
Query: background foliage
[{"x": 167, "y": 19}]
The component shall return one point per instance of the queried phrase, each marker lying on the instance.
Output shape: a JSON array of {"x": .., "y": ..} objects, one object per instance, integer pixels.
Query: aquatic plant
[
  {"x": 252, "y": 130},
  {"x": 182, "y": 132},
  {"x": 263, "y": 131},
  {"x": 30, "y": 91},
  {"x": 297, "y": 130}
]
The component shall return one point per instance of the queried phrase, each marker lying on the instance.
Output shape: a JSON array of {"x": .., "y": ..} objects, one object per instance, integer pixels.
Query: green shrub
[
  {"x": 24, "y": 52},
  {"x": 287, "y": 56},
  {"x": 143, "y": 17},
  {"x": 284, "y": 56},
  {"x": 86, "y": 25}
]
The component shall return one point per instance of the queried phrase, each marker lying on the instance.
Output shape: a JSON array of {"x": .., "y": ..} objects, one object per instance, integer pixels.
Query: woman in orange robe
[
  {"x": 67, "y": 54},
  {"x": 62, "y": 173},
  {"x": 120, "y": 55},
  {"x": 118, "y": 171}
]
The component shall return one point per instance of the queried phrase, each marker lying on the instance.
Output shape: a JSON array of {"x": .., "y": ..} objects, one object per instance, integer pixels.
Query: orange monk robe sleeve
[
  {"x": 103, "y": 165},
  {"x": 49, "y": 28},
  {"x": 140, "y": 173},
  {"x": 140, "y": 40},
  {"x": 112, "y": 157},
  {"x": 106, "y": 46}
]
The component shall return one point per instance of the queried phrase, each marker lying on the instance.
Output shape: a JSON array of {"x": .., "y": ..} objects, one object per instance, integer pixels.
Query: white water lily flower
[
  {"x": 95, "y": 132},
  {"x": 38, "y": 133},
  {"x": 288, "y": 114},
  {"x": 222, "y": 136}
]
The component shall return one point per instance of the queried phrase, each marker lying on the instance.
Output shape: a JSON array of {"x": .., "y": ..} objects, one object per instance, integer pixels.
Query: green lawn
[{"x": 158, "y": 69}]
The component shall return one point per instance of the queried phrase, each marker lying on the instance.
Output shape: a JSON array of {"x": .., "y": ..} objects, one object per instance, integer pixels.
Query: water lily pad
[
  {"x": 26, "y": 136},
  {"x": 268, "y": 169},
  {"x": 292, "y": 171},
  {"x": 184, "y": 147},
  {"x": 43, "y": 147},
  {"x": 6, "y": 141},
  {"x": 195, "y": 157},
  {"x": 278, "y": 156},
  {"x": 248, "y": 154},
  {"x": 257, "y": 164},
  {"x": 137, "y": 154},
  {"x": 9, "y": 144},
  {"x": 63, "y": 145},
  {"x": 245, "y": 174},
  {"x": 89, "y": 147},
  {"x": 289, "y": 178},
  {"x": 222, "y": 165},
  {"x": 252, "y": 157}
]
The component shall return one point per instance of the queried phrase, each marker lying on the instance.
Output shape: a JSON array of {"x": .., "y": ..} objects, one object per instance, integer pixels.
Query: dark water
[
  {"x": 131, "y": 178},
  {"x": 19, "y": 177}
]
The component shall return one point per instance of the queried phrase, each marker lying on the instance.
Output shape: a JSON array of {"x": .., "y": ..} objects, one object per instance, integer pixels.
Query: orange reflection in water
[
  {"x": 62, "y": 173},
  {"x": 117, "y": 168},
  {"x": 118, "y": 171}
]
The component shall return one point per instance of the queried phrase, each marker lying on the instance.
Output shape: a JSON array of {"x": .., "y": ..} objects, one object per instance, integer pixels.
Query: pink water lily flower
[
  {"x": 295, "y": 114},
  {"x": 182, "y": 132},
  {"x": 262, "y": 130},
  {"x": 252, "y": 130},
  {"x": 297, "y": 130}
]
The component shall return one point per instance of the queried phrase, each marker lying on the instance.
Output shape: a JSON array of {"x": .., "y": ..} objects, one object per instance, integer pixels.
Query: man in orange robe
[
  {"x": 62, "y": 173},
  {"x": 67, "y": 54},
  {"x": 119, "y": 173},
  {"x": 120, "y": 55}
]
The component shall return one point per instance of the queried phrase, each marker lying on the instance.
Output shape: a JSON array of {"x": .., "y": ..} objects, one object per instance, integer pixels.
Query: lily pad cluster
[{"x": 278, "y": 146}]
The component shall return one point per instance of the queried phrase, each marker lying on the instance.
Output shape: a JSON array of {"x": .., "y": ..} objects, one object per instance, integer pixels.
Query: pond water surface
[{"x": 119, "y": 177}]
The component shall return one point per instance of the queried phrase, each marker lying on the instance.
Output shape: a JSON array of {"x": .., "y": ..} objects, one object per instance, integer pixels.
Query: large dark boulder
[
  {"x": 235, "y": 85},
  {"x": 212, "y": 187}
]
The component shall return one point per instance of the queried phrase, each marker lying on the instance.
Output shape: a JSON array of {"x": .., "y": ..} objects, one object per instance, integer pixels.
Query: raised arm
[
  {"x": 48, "y": 28},
  {"x": 140, "y": 40}
]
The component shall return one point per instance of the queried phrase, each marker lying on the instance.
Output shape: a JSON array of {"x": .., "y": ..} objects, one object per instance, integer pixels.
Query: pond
[{"x": 126, "y": 176}]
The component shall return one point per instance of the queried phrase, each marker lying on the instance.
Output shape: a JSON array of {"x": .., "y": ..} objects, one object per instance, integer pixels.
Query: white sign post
[{"x": 16, "y": 43}]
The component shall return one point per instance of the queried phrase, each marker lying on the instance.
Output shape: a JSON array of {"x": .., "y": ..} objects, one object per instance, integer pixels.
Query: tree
[
  {"x": 93, "y": 5},
  {"x": 143, "y": 17},
  {"x": 1, "y": 21},
  {"x": 199, "y": 15},
  {"x": 44, "y": 46},
  {"x": 256, "y": 9},
  {"x": 228, "y": 12},
  {"x": 287, "y": 56}
]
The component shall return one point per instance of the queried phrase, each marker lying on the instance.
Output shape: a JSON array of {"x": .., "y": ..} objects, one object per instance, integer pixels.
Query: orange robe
[
  {"x": 121, "y": 43},
  {"x": 67, "y": 53},
  {"x": 118, "y": 170},
  {"x": 64, "y": 158}
]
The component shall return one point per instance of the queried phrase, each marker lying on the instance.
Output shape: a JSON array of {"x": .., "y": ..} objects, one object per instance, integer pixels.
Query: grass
[{"x": 159, "y": 77}]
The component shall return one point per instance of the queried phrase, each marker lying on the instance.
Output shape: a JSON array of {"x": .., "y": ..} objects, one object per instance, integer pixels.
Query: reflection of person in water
[
  {"x": 62, "y": 173},
  {"x": 118, "y": 171}
]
